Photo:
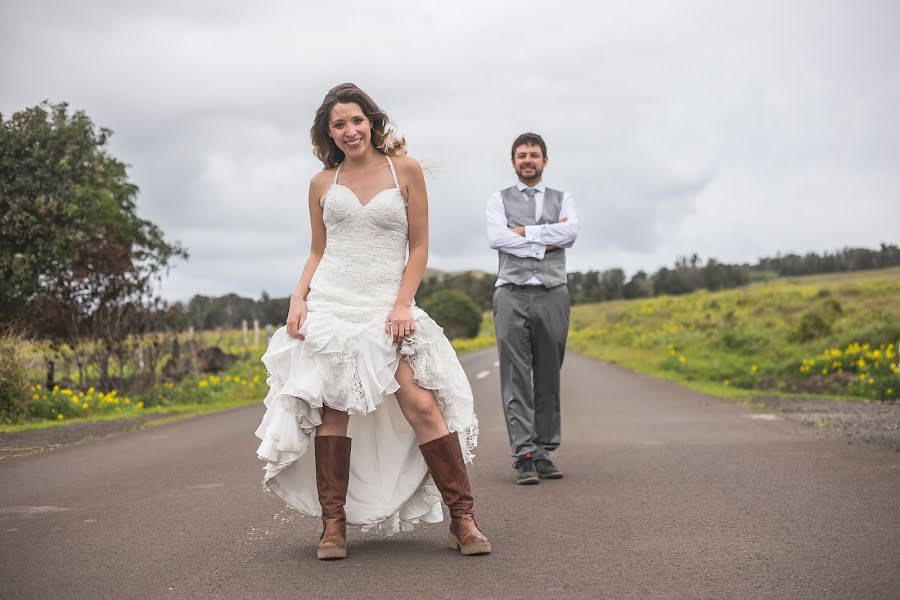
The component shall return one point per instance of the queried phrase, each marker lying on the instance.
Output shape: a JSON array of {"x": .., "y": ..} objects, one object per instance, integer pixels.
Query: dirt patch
[
  {"x": 875, "y": 423},
  {"x": 25, "y": 442}
]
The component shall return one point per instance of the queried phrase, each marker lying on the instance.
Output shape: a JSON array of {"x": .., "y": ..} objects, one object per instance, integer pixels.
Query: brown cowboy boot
[
  {"x": 445, "y": 461},
  {"x": 332, "y": 476}
]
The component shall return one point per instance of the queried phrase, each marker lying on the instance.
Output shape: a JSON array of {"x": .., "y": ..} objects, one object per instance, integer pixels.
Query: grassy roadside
[
  {"x": 832, "y": 337},
  {"x": 241, "y": 384}
]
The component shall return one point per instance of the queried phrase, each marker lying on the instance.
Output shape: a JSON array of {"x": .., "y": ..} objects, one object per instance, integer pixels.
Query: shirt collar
[{"x": 540, "y": 187}]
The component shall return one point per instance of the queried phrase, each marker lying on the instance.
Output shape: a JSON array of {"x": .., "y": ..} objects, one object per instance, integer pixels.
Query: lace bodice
[{"x": 365, "y": 251}]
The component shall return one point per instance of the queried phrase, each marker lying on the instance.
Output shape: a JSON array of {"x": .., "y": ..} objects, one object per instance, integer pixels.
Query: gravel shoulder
[{"x": 876, "y": 423}]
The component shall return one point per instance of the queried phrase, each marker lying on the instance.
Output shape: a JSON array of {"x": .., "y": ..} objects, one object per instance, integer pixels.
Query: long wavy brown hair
[{"x": 384, "y": 137}]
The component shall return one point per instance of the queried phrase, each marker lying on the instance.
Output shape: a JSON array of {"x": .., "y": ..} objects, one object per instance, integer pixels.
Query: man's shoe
[
  {"x": 546, "y": 469},
  {"x": 525, "y": 471}
]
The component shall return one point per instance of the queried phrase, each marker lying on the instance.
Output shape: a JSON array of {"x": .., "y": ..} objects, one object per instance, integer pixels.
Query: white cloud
[{"x": 733, "y": 129}]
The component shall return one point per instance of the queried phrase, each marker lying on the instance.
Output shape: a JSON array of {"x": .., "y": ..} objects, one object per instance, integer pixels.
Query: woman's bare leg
[
  {"x": 334, "y": 422},
  {"x": 419, "y": 406}
]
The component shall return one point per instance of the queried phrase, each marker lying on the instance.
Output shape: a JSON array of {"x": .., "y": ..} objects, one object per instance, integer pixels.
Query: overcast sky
[{"x": 730, "y": 129}]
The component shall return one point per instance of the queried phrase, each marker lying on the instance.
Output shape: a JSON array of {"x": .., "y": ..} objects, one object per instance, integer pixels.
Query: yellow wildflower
[
  {"x": 825, "y": 371},
  {"x": 726, "y": 382},
  {"x": 75, "y": 401},
  {"x": 85, "y": 406},
  {"x": 754, "y": 369},
  {"x": 90, "y": 390},
  {"x": 202, "y": 383},
  {"x": 60, "y": 417},
  {"x": 35, "y": 396},
  {"x": 862, "y": 376},
  {"x": 682, "y": 359},
  {"x": 37, "y": 386},
  {"x": 139, "y": 404}
]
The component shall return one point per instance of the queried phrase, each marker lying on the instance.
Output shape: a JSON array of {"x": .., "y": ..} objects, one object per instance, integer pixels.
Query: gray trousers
[{"x": 531, "y": 324}]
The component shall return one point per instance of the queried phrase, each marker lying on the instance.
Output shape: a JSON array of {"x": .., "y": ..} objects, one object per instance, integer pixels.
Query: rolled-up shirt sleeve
[
  {"x": 501, "y": 238},
  {"x": 561, "y": 235}
]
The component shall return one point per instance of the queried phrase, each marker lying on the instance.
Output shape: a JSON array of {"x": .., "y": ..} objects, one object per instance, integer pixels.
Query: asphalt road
[{"x": 667, "y": 494}]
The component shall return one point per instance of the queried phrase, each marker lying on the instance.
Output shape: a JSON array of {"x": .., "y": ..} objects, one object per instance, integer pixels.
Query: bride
[{"x": 358, "y": 359}]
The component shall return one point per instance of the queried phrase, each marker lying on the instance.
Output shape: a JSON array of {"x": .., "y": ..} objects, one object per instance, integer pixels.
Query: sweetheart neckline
[{"x": 372, "y": 199}]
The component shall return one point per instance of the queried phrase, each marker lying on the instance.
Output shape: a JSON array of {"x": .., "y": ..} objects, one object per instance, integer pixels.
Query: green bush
[
  {"x": 817, "y": 322},
  {"x": 13, "y": 381},
  {"x": 455, "y": 311}
]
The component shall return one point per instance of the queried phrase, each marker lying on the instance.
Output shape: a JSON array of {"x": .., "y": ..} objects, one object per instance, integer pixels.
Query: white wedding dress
[{"x": 348, "y": 361}]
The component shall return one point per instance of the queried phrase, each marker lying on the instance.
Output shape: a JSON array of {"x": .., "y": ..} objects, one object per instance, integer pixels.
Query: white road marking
[
  {"x": 206, "y": 486},
  {"x": 496, "y": 363},
  {"x": 482, "y": 374},
  {"x": 89, "y": 521},
  {"x": 765, "y": 417},
  {"x": 31, "y": 510}
]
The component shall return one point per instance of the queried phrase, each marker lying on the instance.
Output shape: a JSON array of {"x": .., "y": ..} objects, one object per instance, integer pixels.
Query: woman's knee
[{"x": 422, "y": 408}]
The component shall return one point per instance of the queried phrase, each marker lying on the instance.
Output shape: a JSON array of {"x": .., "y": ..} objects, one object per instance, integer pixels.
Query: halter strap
[
  {"x": 393, "y": 172},
  {"x": 337, "y": 172}
]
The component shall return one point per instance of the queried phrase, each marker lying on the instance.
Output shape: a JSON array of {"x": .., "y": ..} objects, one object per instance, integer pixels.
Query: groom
[{"x": 530, "y": 225}]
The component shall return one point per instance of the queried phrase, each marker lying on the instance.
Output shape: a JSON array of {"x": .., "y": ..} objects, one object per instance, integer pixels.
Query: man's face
[{"x": 529, "y": 162}]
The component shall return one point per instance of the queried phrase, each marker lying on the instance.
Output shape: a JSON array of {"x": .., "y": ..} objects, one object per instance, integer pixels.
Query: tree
[
  {"x": 455, "y": 311},
  {"x": 76, "y": 260}
]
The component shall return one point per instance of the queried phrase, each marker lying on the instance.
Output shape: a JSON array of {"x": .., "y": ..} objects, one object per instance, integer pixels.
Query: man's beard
[{"x": 536, "y": 173}]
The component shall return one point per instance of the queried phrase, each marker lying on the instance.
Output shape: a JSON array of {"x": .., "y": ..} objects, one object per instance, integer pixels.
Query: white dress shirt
[{"x": 537, "y": 237}]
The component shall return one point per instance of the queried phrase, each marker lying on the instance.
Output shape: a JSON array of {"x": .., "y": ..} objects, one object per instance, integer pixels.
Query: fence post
[{"x": 256, "y": 332}]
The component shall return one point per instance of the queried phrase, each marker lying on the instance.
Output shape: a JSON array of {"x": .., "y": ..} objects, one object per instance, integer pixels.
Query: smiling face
[
  {"x": 350, "y": 129},
  {"x": 529, "y": 162}
]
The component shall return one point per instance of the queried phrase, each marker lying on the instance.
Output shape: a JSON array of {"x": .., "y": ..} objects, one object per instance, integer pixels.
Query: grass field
[
  {"x": 242, "y": 383},
  {"x": 831, "y": 335}
]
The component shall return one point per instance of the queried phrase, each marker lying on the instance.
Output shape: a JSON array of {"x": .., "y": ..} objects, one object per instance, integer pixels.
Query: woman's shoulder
[
  {"x": 322, "y": 179},
  {"x": 407, "y": 165},
  {"x": 326, "y": 175}
]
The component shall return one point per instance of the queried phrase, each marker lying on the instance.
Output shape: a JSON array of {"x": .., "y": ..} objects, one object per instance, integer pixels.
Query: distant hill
[{"x": 440, "y": 275}]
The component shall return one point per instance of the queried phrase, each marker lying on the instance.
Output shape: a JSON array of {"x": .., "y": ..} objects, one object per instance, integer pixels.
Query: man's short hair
[{"x": 529, "y": 139}]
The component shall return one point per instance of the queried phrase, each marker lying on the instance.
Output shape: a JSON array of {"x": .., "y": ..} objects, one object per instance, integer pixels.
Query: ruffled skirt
[{"x": 350, "y": 366}]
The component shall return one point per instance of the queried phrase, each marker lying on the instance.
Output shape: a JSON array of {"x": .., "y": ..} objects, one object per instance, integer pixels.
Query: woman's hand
[
  {"x": 296, "y": 317},
  {"x": 400, "y": 323}
]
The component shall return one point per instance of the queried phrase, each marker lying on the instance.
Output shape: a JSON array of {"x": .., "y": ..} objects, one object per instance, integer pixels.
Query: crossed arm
[{"x": 531, "y": 241}]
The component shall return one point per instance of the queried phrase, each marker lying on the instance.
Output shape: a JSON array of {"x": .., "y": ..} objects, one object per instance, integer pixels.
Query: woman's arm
[
  {"x": 297, "y": 312},
  {"x": 400, "y": 322}
]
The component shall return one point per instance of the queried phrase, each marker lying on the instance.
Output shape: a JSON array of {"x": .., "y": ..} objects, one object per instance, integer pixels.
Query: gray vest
[{"x": 552, "y": 270}]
